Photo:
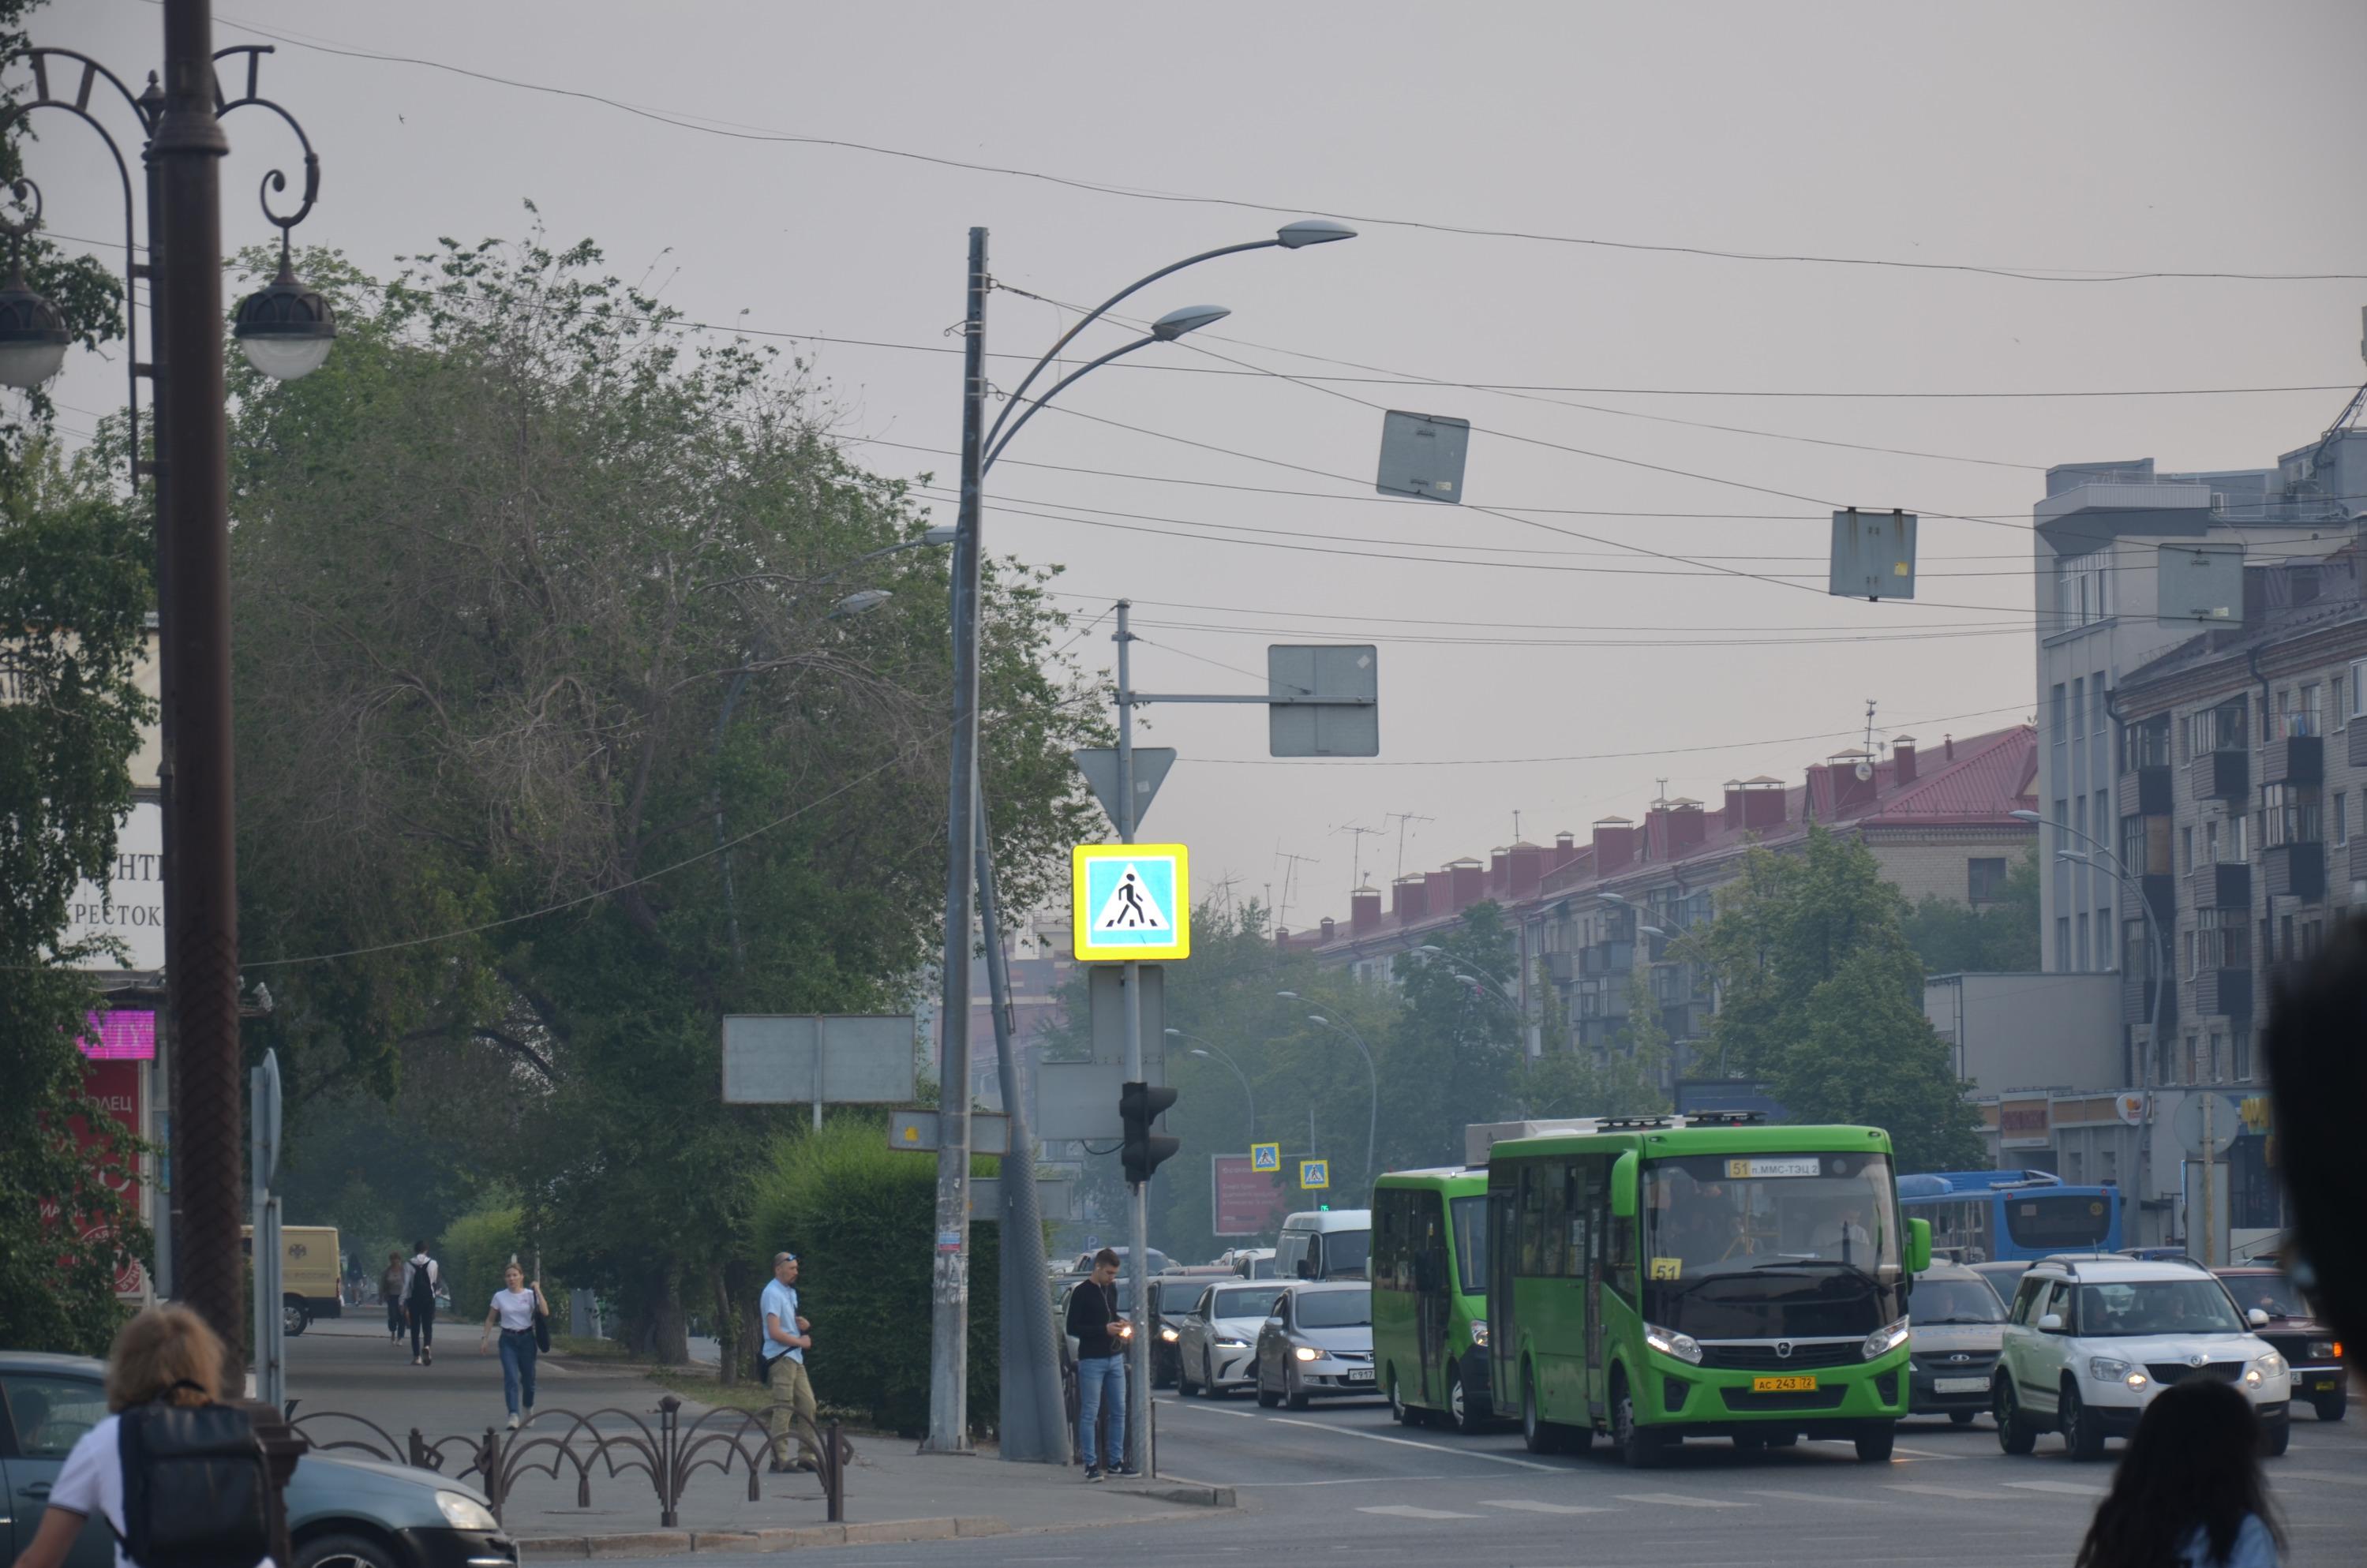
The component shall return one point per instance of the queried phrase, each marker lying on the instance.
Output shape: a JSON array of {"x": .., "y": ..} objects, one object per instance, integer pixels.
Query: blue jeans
[
  {"x": 1101, "y": 1383},
  {"x": 518, "y": 1366}
]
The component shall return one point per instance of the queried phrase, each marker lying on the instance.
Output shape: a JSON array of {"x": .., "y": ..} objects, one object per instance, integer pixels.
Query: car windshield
[
  {"x": 1346, "y": 1252},
  {"x": 2272, "y": 1293},
  {"x": 2156, "y": 1306},
  {"x": 1953, "y": 1301},
  {"x": 1471, "y": 1243},
  {"x": 1243, "y": 1303},
  {"x": 1335, "y": 1309},
  {"x": 1175, "y": 1297}
]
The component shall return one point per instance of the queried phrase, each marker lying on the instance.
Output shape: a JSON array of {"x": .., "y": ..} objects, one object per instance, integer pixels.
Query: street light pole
[
  {"x": 1207, "y": 1049},
  {"x": 1372, "y": 1079}
]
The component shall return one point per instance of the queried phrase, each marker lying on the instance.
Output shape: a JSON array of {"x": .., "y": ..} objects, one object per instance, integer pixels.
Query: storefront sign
[
  {"x": 2023, "y": 1124},
  {"x": 131, "y": 907}
]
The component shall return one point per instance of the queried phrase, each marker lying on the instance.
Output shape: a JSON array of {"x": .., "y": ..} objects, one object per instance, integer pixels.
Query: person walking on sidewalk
[
  {"x": 389, "y": 1290},
  {"x": 1100, "y": 1333},
  {"x": 420, "y": 1278},
  {"x": 513, "y": 1310},
  {"x": 791, "y": 1409}
]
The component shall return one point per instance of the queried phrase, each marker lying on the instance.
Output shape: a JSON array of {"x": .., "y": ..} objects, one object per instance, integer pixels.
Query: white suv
[{"x": 2091, "y": 1340}]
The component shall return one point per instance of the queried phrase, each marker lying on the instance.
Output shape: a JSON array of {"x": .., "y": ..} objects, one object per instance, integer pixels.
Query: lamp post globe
[
  {"x": 33, "y": 336},
  {"x": 286, "y": 329},
  {"x": 1186, "y": 319}
]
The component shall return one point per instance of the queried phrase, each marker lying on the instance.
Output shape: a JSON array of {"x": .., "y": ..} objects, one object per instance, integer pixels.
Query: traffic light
[{"x": 1138, "y": 1105}]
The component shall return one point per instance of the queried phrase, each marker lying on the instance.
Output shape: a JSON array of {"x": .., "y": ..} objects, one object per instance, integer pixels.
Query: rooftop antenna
[
  {"x": 2349, "y": 418},
  {"x": 1358, "y": 855},
  {"x": 1289, "y": 874},
  {"x": 1662, "y": 798},
  {"x": 1401, "y": 819},
  {"x": 1869, "y": 729}
]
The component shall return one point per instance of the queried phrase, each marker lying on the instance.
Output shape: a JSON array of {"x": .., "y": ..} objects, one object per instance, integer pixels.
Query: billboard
[
  {"x": 1248, "y": 1201},
  {"x": 131, "y": 907},
  {"x": 121, "y": 1086}
]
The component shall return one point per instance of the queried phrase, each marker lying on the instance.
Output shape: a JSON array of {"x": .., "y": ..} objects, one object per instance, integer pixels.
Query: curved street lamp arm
[
  {"x": 1373, "y": 1080},
  {"x": 994, "y": 447},
  {"x": 1100, "y": 310}
]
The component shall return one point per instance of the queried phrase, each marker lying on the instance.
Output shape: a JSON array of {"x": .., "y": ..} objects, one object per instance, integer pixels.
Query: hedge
[
  {"x": 860, "y": 1216},
  {"x": 477, "y": 1247}
]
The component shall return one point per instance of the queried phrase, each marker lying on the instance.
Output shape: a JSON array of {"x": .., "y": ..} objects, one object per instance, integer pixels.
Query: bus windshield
[
  {"x": 1771, "y": 1245},
  {"x": 2057, "y": 1221},
  {"x": 1471, "y": 1243},
  {"x": 1345, "y": 1253}
]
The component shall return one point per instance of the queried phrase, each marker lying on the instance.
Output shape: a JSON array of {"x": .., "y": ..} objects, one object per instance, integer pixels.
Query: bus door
[
  {"x": 1593, "y": 1203},
  {"x": 1503, "y": 1324},
  {"x": 1431, "y": 1309}
]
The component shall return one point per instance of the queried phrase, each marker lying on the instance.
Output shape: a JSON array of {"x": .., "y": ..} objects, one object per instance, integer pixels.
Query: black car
[
  {"x": 1172, "y": 1298},
  {"x": 2308, "y": 1346},
  {"x": 347, "y": 1512}
]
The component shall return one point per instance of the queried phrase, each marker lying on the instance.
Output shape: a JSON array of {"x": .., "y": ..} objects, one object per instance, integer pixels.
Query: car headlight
[
  {"x": 2325, "y": 1350},
  {"x": 2104, "y": 1368},
  {"x": 2269, "y": 1367},
  {"x": 1169, "y": 1335},
  {"x": 1308, "y": 1353},
  {"x": 1883, "y": 1341},
  {"x": 1669, "y": 1342},
  {"x": 465, "y": 1513},
  {"x": 1480, "y": 1331}
]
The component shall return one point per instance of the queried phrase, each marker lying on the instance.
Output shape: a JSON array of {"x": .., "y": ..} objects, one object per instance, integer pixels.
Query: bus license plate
[
  {"x": 1783, "y": 1385},
  {"x": 1360, "y": 1374}
]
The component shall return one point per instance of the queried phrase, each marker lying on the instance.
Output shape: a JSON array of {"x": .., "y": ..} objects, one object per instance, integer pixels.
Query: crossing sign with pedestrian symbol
[
  {"x": 1130, "y": 901},
  {"x": 1265, "y": 1157},
  {"x": 1314, "y": 1173}
]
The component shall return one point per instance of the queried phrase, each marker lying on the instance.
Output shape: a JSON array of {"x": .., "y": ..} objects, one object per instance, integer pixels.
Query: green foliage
[
  {"x": 477, "y": 1247},
  {"x": 1620, "y": 1083},
  {"x": 1955, "y": 938},
  {"x": 860, "y": 1215},
  {"x": 1452, "y": 1050},
  {"x": 1822, "y": 997}
]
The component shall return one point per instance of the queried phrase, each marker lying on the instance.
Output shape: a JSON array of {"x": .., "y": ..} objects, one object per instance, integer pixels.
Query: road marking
[
  {"x": 1409, "y": 1443},
  {"x": 2281, "y": 1473},
  {"x": 1813, "y": 1497},
  {"x": 1964, "y": 1492},
  {"x": 2066, "y": 1488},
  {"x": 1677, "y": 1500},
  {"x": 1408, "y": 1511},
  {"x": 1343, "y": 1481},
  {"x": 1531, "y": 1506}
]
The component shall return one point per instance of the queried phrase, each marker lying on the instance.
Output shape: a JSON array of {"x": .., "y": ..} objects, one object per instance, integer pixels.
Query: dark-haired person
[
  {"x": 1100, "y": 1331},
  {"x": 2188, "y": 1491},
  {"x": 389, "y": 1290},
  {"x": 2317, "y": 1075},
  {"x": 420, "y": 1278}
]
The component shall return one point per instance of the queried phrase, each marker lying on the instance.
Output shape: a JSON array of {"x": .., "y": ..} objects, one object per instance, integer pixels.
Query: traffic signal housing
[{"x": 1138, "y": 1104}]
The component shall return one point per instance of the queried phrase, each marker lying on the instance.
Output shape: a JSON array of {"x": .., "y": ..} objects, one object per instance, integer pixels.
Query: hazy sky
[{"x": 2072, "y": 140}]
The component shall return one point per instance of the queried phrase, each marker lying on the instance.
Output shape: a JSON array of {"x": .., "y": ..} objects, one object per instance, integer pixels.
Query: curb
[
  {"x": 1170, "y": 1489},
  {"x": 671, "y": 1543}
]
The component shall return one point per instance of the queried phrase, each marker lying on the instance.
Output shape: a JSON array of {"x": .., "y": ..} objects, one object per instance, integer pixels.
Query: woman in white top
[
  {"x": 164, "y": 1354},
  {"x": 513, "y": 1310}
]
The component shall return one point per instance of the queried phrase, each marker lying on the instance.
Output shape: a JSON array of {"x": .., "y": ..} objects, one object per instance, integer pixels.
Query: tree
[
  {"x": 1956, "y": 939},
  {"x": 533, "y": 607},
  {"x": 1821, "y": 995},
  {"x": 73, "y": 597},
  {"x": 1617, "y": 1083},
  {"x": 1452, "y": 1050}
]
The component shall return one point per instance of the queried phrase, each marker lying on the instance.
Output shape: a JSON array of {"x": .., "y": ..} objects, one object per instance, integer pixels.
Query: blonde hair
[{"x": 157, "y": 1351}]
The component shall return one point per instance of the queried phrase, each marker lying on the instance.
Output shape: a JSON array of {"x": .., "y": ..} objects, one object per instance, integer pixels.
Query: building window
[
  {"x": 2289, "y": 816},
  {"x": 2223, "y": 939},
  {"x": 1985, "y": 880},
  {"x": 2243, "y": 1063},
  {"x": 2062, "y": 943},
  {"x": 2104, "y": 955},
  {"x": 2185, "y": 850},
  {"x": 2210, "y": 842},
  {"x": 2083, "y": 940},
  {"x": 2190, "y": 970},
  {"x": 2341, "y": 817},
  {"x": 2341, "y": 715},
  {"x": 2111, "y": 1160},
  {"x": 2060, "y": 720},
  {"x": 2079, "y": 708},
  {"x": 2185, "y": 1064},
  {"x": 2312, "y": 710},
  {"x": 2145, "y": 744},
  {"x": 2079, "y": 581},
  {"x": 2216, "y": 1063}
]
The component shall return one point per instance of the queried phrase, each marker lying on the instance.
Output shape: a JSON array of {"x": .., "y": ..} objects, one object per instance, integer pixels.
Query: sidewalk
[{"x": 892, "y": 1493}]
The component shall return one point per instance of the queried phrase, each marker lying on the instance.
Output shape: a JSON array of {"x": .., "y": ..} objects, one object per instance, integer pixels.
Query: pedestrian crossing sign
[
  {"x": 1314, "y": 1173},
  {"x": 1130, "y": 901},
  {"x": 1265, "y": 1157}
]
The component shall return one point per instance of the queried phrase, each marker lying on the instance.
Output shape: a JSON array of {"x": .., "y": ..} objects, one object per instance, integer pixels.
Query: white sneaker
[{"x": 513, "y": 1421}]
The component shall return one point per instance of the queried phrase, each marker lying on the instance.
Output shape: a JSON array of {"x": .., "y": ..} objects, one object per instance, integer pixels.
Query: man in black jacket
[{"x": 1100, "y": 1333}]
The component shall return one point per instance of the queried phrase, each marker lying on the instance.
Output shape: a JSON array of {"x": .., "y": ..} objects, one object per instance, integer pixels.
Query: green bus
[
  {"x": 1430, "y": 1295},
  {"x": 1657, "y": 1277}
]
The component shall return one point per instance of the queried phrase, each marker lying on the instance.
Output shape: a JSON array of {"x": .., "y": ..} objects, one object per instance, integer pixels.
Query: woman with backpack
[
  {"x": 2189, "y": 1493},
  {"x": 174, "y": 1470}
]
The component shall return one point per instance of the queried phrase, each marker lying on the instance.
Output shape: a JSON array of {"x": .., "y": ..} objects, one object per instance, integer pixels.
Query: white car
[
  {"x": 2092, "y": 1340},
  {"x": 1215, "y": 1347}
]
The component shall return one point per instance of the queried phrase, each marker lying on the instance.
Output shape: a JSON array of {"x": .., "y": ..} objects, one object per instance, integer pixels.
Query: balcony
[
  {"x": 2137, "y": 1002},
  {"x": 1561, "y": 967},
  {"x": 2295, "y": 871},
  {"x": 2294, "y": 760},
  {"x": 2221, "y": 775},
  {"x": 2223, "y": 993},
  {"x": 2145, "y": 792},
  {"x": 2226, "y": 884},
  {"x": 1607, "y": 958},
  {"x": 2358, "y": 745},
  {"x": 1685, "y": 1020},
  {"x": 2359, "y": 858}
]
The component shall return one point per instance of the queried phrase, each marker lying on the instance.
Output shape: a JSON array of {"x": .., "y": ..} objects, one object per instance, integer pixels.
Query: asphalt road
[{"x": 1343, "y": 1483}]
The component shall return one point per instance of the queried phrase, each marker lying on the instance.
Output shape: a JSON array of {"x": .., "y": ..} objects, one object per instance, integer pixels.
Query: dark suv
[{"x": 2318, "y": 1375}]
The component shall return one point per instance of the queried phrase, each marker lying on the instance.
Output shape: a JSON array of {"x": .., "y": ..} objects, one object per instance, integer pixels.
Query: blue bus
[{"x": 1979, "y": 1216}]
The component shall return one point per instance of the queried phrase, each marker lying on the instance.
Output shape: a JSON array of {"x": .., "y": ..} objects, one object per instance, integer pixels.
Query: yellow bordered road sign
[
  {"x": 1265, "y": 1157},
  {"x": 1314, "y": 1173},
  {"x": 1130, "y": 901}
]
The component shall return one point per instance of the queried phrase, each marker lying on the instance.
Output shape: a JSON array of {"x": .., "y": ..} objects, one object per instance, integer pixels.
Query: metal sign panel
[
  {"x": 1246, "y": 1198},
  {"x": 1423, "y": 454},
  {"x": 1265, "y": 1157},
  {"x": 1130, "y": 902},
  {"x": 1323, "y": 700},
  {"x": 1078, "y": 1100},
  {"x": 1105, "y": 992},
  {"x": 989, "y": 1131},
  {"x": 807, "y": 1059},
  {"x": 2199, "y": 585},
  {"x": 1099, "y": 767},
  {"x": 1873, "y": 555},
  {"x": 1314, "y": 1174},
  {"x": 1055, "y": 1200}
]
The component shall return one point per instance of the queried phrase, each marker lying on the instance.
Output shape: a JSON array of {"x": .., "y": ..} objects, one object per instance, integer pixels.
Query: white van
[{"x": 1325, "y": 1244}]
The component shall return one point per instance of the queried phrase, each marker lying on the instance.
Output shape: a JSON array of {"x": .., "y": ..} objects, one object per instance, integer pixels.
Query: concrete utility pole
[
  {"x": 1137, "y": 1205},
  {"x": 949, "y": 1280}
]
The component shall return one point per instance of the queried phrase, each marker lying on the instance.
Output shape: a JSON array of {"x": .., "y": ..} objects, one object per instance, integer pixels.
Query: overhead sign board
[
  {"x": 2199, "y": 585},
  {"x": 1055, "y": 1200},
  {"x": 810, "y": 1059},
  {"x": 1323, "y": 700},
  {"x": 1873, "y": 555},
  {"x": 1423, "y": 454},
  {"x": 1099, "y": 765},
  {"x": 1131, "y": 901}
]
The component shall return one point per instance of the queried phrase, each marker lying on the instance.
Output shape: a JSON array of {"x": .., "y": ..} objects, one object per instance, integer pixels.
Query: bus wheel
[
  {"x": 1874, "y": 1445},
  {"x": 1404, "y": 1414},
  {"x": 1462, "y": 1409},
  {"x": 1638, "y": 1449},
  {"x": 1538, "y": 1435}
]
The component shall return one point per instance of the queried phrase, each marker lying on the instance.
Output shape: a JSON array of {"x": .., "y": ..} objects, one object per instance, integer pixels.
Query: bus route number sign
[{"x": 1755, "y": 1169}]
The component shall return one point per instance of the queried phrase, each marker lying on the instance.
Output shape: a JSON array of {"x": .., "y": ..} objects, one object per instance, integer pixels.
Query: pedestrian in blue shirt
[
  {"x": 2189, "y": 1493},
  {"x": 791, "y": 1409}
]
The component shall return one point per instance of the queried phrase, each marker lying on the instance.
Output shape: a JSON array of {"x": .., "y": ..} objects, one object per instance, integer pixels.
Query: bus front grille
[
  {"x": 1762, "y": 1357},
  {"x": 1812, "y": 1399}
]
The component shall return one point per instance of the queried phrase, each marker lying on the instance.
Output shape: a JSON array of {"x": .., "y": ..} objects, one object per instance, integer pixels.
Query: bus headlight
[
  {"x": 1883, "y": 1341},
  {"x": 1479, "y": 1332},
  {"x": 1669, "y": 1342}
]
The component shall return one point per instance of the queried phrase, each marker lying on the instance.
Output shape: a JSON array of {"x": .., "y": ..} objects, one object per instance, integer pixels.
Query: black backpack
[
  {"x": 194, "y": 1486},
  {"x": 423, "y": 1284}
]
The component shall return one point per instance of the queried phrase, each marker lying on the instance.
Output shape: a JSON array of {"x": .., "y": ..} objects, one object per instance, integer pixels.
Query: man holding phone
[{"x": 1100, "y": 1332}]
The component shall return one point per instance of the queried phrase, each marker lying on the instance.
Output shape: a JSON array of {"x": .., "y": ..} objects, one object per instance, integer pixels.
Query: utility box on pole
[
  {"x": 1323, "y": 700},
  {"x": 1873, "y": 555}
]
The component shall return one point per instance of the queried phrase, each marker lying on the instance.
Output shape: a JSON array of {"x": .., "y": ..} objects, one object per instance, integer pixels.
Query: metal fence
[{"x": 554, "y": 1442}]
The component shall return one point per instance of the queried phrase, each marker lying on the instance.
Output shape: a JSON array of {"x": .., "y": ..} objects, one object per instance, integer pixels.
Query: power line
[{"x": 733, "y": 131}]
